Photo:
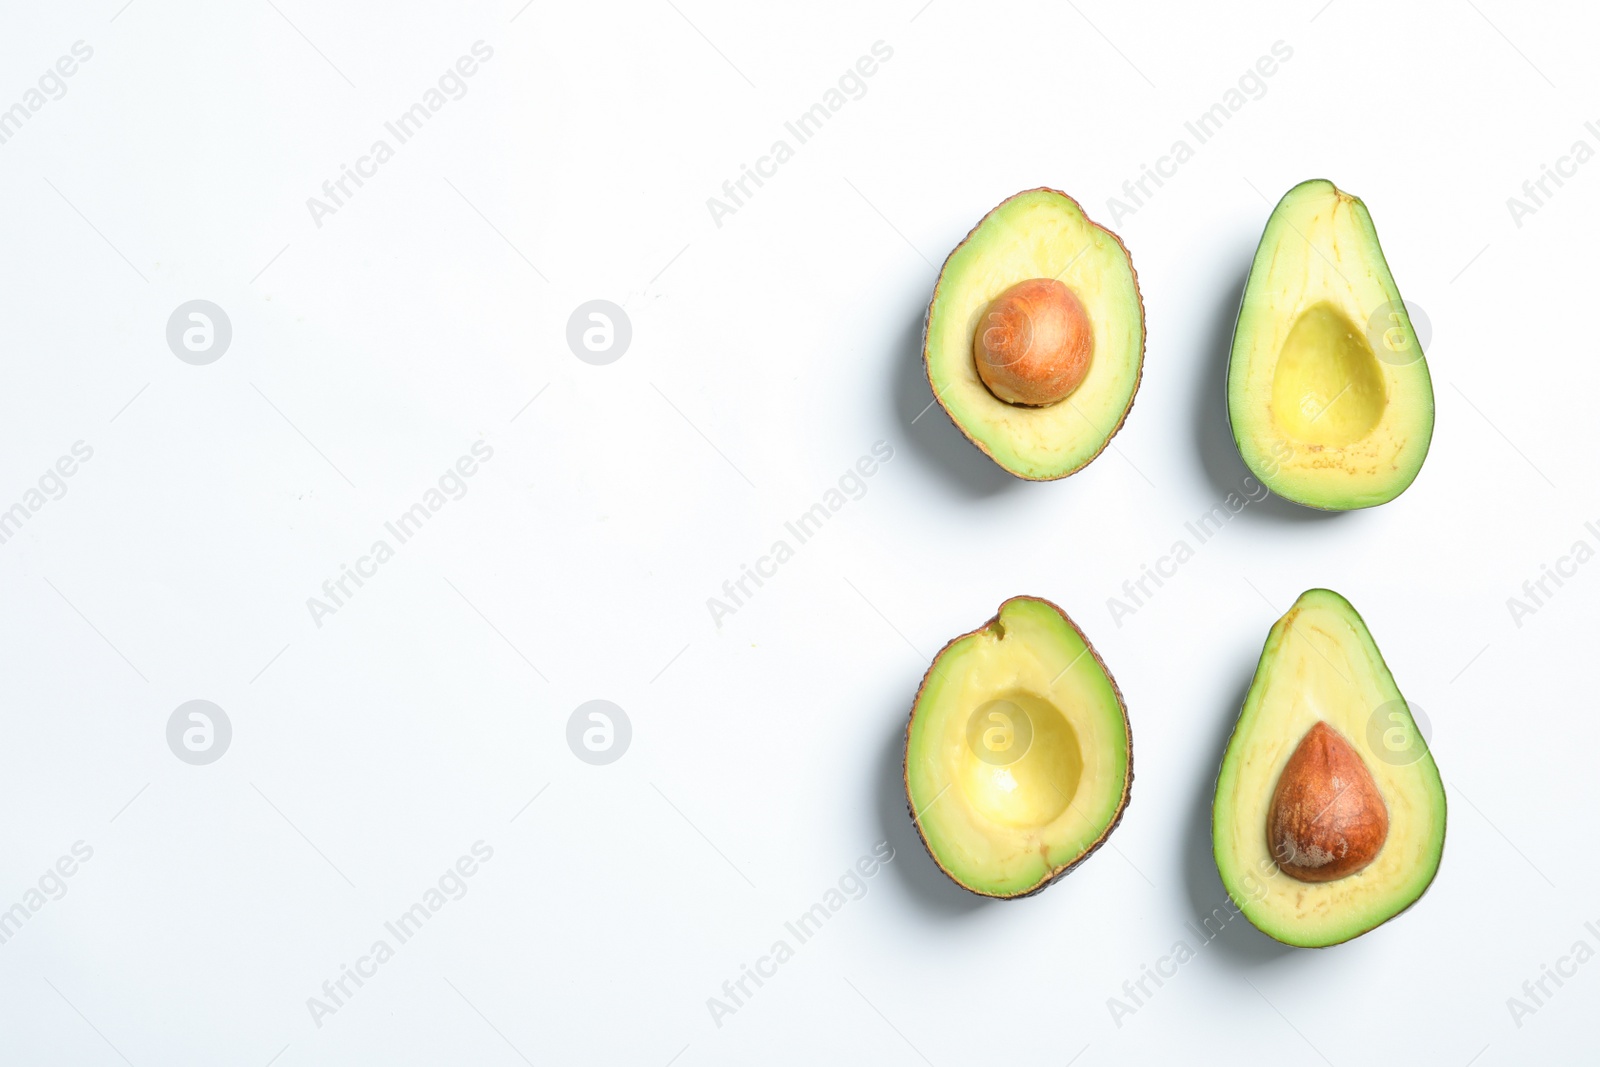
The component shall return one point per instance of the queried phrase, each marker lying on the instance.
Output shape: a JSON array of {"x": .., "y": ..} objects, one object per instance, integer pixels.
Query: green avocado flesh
[
  {"x": 1018, "y": 755},
  {"x": 1329, "y": 396},
  {"x": 1037, "y": 234},
  {"x": 1320, "y": 664}
]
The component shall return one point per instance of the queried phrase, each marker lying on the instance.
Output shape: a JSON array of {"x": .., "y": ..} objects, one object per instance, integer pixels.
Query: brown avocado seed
[
  {"x": 1328, "y": 819},
  {"x": 1034, "y": 343}
]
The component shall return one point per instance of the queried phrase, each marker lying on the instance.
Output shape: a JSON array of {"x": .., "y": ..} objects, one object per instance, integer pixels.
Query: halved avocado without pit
[
  {"x": 1034, "y": 339},
  {"x": 1329, "y": 396},
  {"x": 1019, "y": 759}
]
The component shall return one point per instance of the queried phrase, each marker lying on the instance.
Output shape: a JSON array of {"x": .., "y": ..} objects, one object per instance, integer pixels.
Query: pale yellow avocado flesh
[
  {"x": 1004, "y": 826},
  {"x": 1329, "y": 395},
  {"x": 1327, "y": 388},
  {"x": 1037, "y": 234},
  {"x": 1321, "y": 663}
]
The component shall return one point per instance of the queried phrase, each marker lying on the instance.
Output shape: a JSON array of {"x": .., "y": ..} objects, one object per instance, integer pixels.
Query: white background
[{"x": 767, "y": 355}]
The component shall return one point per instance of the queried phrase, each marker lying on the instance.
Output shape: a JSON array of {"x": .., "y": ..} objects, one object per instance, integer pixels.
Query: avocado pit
[
  {"x": 1327, "y": 819},
  {"x": 1034, "y": 343}
]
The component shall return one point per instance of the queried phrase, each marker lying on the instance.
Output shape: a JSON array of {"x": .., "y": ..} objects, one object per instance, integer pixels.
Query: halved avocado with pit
[
  {"x": 1019, "y": 758},
  {"x": 1057, "y": 296},
  {"x": 1329, "y": 396},
  {"x": 1329, "y": 817}
]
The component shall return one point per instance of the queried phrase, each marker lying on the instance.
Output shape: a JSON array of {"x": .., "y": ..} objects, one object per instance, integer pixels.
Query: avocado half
[
  {"x": 1019, "y": 758},
  {"x": 1329, "y": 396},
  {"x": 1038, "y": 234},
  {"x": 1329, "y": 817}
]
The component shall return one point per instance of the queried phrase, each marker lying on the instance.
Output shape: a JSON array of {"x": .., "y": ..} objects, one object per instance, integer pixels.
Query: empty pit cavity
[
  {"x": 1021, "y": 762},
  {"x": 1327, "y": 388}
]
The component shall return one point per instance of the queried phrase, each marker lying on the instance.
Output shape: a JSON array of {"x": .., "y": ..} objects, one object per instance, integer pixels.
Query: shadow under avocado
[
  {"x": 929, "y": 430},
  {"x": 1238, "y": 942},
  {"x": 926, "y": 884},
  {"x": 1213, "y": 438}
]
